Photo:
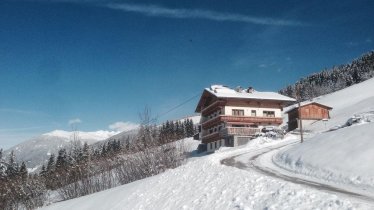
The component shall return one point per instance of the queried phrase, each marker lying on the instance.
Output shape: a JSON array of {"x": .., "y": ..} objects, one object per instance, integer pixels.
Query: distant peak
[{"x": 83, "y": 135}]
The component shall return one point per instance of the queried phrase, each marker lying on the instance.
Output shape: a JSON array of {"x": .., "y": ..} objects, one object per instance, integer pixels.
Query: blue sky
[{"x": 103, "y": 61}]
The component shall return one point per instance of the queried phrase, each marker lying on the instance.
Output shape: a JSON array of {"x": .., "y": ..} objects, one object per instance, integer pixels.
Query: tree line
[
  {"x": 84, "y": 169},
  {"x": 334, "y": 79}
]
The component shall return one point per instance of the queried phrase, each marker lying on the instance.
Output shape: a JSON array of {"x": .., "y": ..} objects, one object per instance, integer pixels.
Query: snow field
[
  {"x": 204, "y": 183},
  {"x": 346, "y": 153}
]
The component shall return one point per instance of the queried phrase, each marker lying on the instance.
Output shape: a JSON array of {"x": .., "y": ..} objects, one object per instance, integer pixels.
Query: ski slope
[{"x": 343, "y": 155}]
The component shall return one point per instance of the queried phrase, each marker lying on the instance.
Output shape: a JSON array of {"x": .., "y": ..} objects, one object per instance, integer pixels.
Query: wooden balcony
[
  {"x": 211, "y": 137},
  {"x": 211, "y": 122},
  {"x": 241, "y": 119},
  {"x": 239, "y": 131},
  {"x": 213, "y": 107},
  {"x": 229, "y": 131}
]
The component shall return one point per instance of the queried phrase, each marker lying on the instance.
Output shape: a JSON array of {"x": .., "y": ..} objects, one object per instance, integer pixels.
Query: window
[
  {"x": 269, "y": 114},
  {"x": 253, "y": 113},
  {"x": 238, "y": 112}
]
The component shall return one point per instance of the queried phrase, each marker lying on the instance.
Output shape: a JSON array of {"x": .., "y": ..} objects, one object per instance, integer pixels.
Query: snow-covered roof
[
  {"x": 304, "y": 103},
  {"x": 225, "y": 92}
]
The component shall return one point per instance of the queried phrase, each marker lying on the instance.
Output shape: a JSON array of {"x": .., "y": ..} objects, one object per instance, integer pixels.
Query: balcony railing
[
  {"x": 228, "y": 131},
  {"x": 213, "y": 136},
  {"x": 239, "y": 131},
  {"x": 241, "y": 119}
]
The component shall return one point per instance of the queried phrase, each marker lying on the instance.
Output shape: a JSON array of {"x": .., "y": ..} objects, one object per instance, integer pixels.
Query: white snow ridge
[{"x": 94, "y": 135}]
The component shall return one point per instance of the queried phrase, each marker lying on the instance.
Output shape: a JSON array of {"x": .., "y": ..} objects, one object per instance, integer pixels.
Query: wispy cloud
[
  {"x": 123, "y": 126},
  {"x": 263, "y": 65},
  {"x": 159, "y": 11},
  {"x": 19, "y": 111},
  {"x": 74, "y": 121},
  {"x": 358, "y": 43},
  {"x": 21, "y": 129}
]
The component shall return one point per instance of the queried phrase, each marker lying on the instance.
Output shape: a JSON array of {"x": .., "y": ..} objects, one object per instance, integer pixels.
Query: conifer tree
[
  {"x": 86, "y": 152},
  {"x": 51, "y": 164},
  {"x": 23, "y": 171},
  {"x": 43, "y": 171},
  {"x": 62, "y": 159},
  {"x": 12, "y": 168},
  {"x": 2, "y": 165}
]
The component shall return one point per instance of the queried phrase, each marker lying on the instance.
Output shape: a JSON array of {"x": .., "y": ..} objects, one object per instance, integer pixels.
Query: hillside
[
  {"x": 345, "y": 153},
  {"x": 204, "y": 183},
  {"x": 334, "y": 79}
]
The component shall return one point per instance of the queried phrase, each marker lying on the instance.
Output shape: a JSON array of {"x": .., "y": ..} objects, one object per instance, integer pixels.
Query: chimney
[
  {"x": 250, "y": 89},
  {"x": 239, "y": 89}
]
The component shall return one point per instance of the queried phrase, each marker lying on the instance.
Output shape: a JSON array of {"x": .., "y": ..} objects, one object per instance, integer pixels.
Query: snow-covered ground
[
  {"x": 204, "y": 183},
  {"x": 343, "y": 155}
]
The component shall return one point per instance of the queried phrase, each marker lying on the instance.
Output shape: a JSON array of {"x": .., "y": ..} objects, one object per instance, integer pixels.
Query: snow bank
[
  {"x": 345, "y": 153},
  {"x": 203, "y": 183}
]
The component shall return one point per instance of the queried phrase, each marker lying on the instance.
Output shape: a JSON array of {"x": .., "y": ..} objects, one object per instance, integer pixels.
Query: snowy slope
[
  {"x": 204, "y": 183},
  {"x": 356, "y": 99},
  {"x": 37, "y": 150},
  {"x": 344, "y": 155}
]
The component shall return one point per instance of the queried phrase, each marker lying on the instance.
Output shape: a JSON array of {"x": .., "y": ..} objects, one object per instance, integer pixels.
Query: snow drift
[{"x": 343, "y": 154}]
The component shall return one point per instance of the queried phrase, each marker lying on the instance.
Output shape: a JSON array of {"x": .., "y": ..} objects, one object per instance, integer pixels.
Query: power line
[
  {"x": 165, "y": 113},
  {"x": 179, "y": 105}
]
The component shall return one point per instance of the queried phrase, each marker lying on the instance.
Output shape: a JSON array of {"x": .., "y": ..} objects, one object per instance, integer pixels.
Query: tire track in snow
[{"x": 296, "y": 180}]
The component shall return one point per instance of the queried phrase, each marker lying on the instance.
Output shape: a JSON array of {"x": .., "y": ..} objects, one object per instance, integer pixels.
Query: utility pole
[{"x": 298, "y": 98}]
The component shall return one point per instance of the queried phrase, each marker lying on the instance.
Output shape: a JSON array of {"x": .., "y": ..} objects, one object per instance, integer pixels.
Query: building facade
[
  {"x": 232, "y": 117},
  {"x": 309, "y": 113}
]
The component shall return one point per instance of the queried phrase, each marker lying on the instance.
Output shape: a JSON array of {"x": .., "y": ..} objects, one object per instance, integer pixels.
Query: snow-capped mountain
[
  {"x": 38, "y": 149},
  {"x": 89, "y": 137}
]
